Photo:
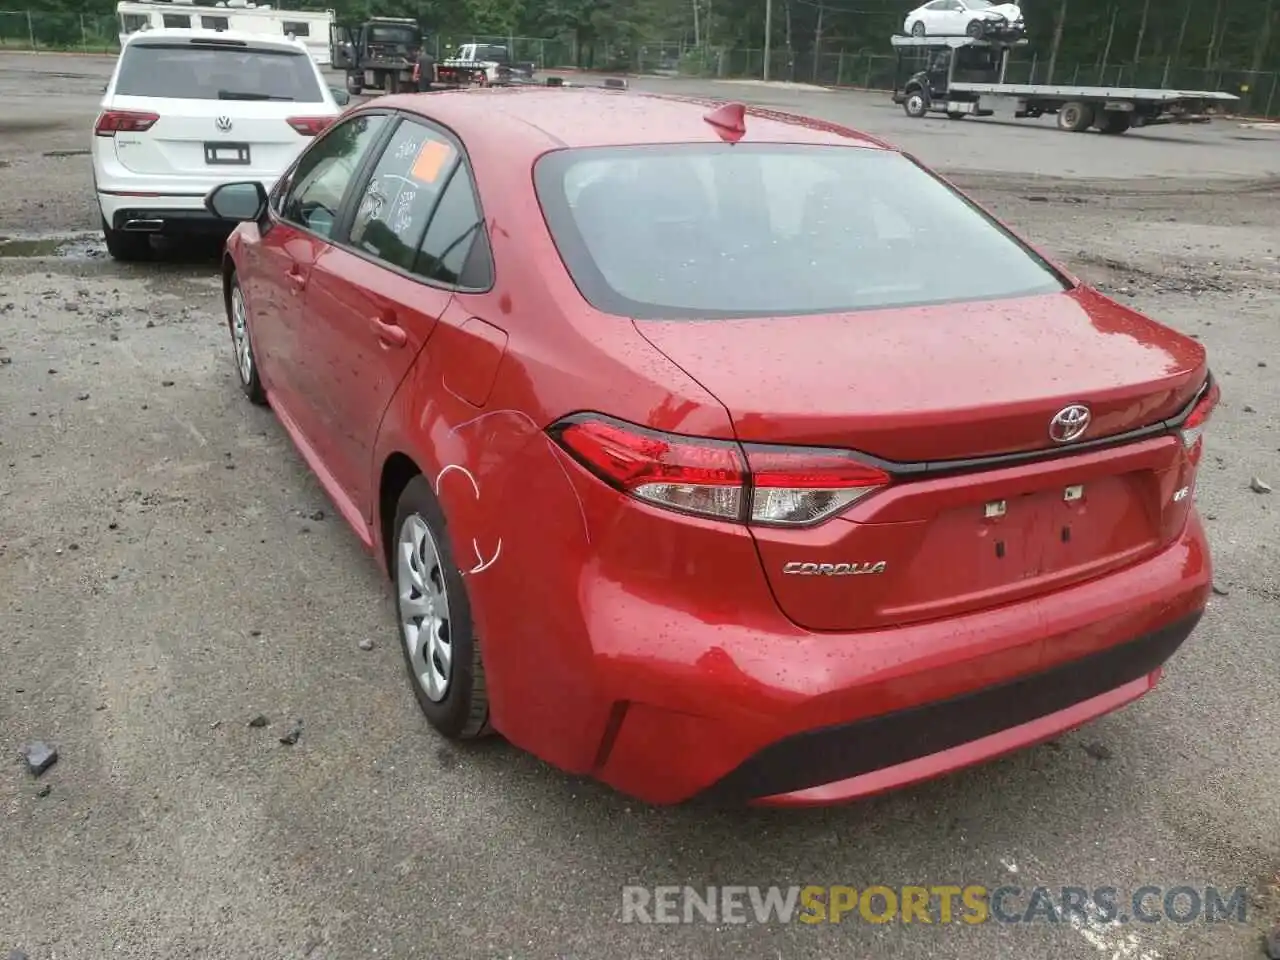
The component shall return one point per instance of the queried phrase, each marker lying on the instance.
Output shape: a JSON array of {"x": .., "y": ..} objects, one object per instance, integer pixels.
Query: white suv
[{"x": 186, "y": 110}]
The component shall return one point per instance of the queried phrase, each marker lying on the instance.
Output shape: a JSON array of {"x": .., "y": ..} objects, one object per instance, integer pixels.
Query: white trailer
[
  {"x": 309, "y": 26},
  {"x": 960, "y": 77}
]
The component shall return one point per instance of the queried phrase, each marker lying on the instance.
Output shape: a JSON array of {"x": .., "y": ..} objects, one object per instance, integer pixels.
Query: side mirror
[
  {"x": 340, "y": 96},
  {"x": 242, "y": 202}
]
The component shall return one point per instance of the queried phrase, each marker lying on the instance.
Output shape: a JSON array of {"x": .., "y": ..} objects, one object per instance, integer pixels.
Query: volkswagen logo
[
  {"x": 1069, "y": 423},
  {"x": 223, "y": 124}
]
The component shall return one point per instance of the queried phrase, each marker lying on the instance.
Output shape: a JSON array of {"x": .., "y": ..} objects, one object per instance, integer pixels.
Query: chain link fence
[
  {"x": 1259, "y": 92},
  {"x": 39, "y": 30}
]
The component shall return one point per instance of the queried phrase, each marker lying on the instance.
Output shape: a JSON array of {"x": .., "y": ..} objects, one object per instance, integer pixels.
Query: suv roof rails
[{"x": 608, "y": 83}]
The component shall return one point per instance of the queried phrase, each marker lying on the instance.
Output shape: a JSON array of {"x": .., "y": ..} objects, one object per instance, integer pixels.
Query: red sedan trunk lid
[
  {"x": 938, "y": 383},
  {"x": 957, "y": 382}
]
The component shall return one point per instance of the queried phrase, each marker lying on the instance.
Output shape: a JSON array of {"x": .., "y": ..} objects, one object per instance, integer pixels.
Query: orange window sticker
[{"x": 430, "y": 161}]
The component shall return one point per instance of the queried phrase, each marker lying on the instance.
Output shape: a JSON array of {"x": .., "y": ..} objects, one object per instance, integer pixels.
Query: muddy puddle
[{"x": 78, "y": 247}]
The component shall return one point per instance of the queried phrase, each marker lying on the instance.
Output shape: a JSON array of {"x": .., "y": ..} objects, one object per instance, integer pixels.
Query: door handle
[
  {"x": 296, "y": 280},
  {"x": 390, "y": 333}
]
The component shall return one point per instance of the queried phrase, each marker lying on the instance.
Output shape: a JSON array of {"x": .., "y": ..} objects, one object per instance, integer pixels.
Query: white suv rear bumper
[{"x": 176, "y": 201}]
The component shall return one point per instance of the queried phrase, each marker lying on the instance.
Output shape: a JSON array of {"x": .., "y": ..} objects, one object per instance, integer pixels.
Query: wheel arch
[
  {"x": 228, "y": 271},
  {"x": 398, "y": 469}
]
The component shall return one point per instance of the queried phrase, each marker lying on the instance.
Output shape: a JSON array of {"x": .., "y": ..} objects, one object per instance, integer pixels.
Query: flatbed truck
[{"x": 961, "y": 77}]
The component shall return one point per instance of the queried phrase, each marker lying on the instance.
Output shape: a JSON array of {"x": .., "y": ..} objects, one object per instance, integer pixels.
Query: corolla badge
[
  {"x": 834, "y": 569},
  {"x": 1069, "y": 423}
]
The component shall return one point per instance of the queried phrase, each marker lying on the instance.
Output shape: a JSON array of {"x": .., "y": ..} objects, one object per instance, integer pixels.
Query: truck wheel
[
  {"x": 1075, "y": 117},
  {"x": 917, "y": 28},
  {"x": 1114, "y": 121},
  {"x": 976, "y": 29},
  {"x": 955, "y": 115},
  {"x": 393, "y": 82},
  {"x": 916, "y": 105},
  {"x": 354, "y": 86}
]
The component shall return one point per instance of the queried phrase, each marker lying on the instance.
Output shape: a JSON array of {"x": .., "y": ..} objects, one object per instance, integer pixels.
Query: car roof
[
  {"x": 170, "y": 35},
  {"x": 543, "y": 118}
]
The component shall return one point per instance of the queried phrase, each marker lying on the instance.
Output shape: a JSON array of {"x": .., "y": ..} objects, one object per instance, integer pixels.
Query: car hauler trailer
[{"x": 960, "y": 77}]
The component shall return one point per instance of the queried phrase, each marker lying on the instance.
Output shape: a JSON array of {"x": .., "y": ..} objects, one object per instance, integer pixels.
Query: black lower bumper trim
[
  {"x": 830, "y": 754},
  {"x": 174, "y": 221}
]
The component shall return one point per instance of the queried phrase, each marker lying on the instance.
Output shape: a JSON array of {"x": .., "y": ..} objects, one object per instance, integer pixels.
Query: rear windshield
[
  {"x": 717, "y": 230},
  {"x": 406, "y": 35},
  {"x": 192, "y": 71}
]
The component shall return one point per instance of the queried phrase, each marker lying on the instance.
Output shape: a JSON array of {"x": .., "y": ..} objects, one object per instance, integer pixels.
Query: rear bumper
[
  {"x": 124, "y": 195},
  {"x": 797, "y": 718},
  {"x": 172, "y": 213},
  {"x": 881, "y": 752}
]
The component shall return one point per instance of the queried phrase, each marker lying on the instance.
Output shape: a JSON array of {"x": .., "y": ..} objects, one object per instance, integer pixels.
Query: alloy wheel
[
  {"x": 423, "y": 599},
  {"x": 240, "y": 336}
]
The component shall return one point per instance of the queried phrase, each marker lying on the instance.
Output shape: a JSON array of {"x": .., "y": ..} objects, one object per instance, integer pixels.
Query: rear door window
[
  {"x": 455, "y": 248},
  {"x": 217, "y": 70},
  {"x": 401, "y": 193},
  {"x": 758, "y": 230}
]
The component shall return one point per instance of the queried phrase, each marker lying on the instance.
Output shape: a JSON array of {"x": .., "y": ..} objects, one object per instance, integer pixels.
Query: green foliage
[{"x": 1239, "y": 35}]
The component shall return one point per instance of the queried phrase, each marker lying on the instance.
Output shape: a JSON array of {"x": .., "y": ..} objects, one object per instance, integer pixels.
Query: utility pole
[
  {"x": 1057, "y": 40},
  {"x": 697, "y": 34},
  {"x": 768, "y": 32},
  {"x": 1142, "y": 31},
  {"x": 817, "y": 42}
]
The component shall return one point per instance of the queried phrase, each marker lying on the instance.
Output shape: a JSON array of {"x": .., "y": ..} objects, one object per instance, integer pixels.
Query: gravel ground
[{"x": 171, "y": 570}]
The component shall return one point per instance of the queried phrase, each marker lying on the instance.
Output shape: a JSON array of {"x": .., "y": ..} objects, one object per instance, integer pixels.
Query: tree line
[{"x": 1234, "y": 35}]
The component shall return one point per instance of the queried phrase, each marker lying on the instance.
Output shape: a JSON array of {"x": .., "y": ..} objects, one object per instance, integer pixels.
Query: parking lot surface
[{"x": 171, "y": 570}]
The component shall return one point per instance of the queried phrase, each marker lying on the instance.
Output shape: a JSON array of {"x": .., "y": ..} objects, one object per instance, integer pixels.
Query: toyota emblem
[
  {"x": 1069, "y": 423},
  {"x": 223, "y": 124}
]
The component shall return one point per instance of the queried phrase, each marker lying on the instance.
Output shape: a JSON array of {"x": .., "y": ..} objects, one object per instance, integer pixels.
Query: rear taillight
[
  {"x": 1192, "y": 431},
  {"x": 798, "y": 487},
  {"x": 310, "y": 126},
  {"x": 749, "y": 483},
  {"x": 111, "y": 122}
]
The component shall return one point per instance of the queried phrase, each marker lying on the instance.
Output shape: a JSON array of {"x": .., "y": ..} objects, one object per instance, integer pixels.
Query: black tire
[
  {"x": 1075, "y": 117},
  {"x": 426, "y": 70},
  {"x": 917, "y": 29},
  {"x": 976, "y": 29},
  {"x": 126, "y": 247},
  {"x": 250, "y": 384},
  {"x": 393, "y": 82},
  {"x": 916, "y": 104},
  {"x": 355, "y": 84},
  {"x": 1114, "y": 122},
  {"x": 955, "y": 115},
  {"x": 462, "y": 713}
]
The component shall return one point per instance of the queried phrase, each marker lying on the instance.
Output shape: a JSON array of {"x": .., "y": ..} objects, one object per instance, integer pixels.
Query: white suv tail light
[
  {"x": 111, "y": 122},
  {"x": 310, "y": 126}
]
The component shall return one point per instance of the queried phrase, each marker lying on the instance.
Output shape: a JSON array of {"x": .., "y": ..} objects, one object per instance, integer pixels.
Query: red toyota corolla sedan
[{"x": 718, "y": 452}]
